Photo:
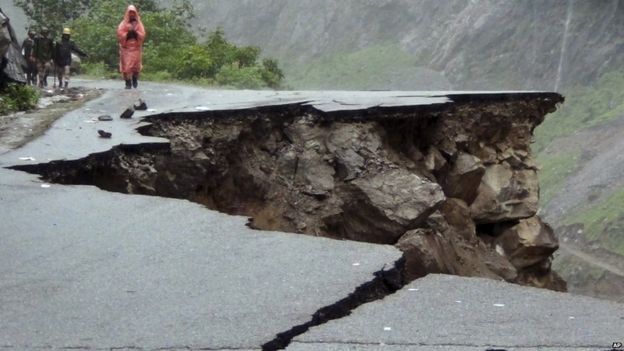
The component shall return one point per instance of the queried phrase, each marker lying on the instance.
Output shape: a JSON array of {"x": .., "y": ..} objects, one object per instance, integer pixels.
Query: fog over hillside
[{"x": 479, "y": 44}]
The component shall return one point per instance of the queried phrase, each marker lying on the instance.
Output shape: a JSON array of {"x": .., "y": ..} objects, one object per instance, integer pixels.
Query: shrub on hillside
[
  {"x": 172, "y": 50},
  {"x": 18, "y": 97}
]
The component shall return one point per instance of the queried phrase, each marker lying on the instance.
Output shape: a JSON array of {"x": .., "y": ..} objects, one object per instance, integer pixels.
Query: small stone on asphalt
[
  {"x": 127, "y": 114},
  {"x": 105, "y": 118},
  {"x": 104, "y": 134}
]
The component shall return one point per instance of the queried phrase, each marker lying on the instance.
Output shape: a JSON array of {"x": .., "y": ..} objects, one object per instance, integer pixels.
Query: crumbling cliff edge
[{"x": 452, "y": 184}]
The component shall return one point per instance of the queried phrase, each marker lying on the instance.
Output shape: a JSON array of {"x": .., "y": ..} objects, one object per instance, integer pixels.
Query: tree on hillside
[
  {"x": 171, "y": 50},
  {"x": 52, "y": 13},
  {"x": 55, "y": 14},
  {"x": 166, "y": 29}
]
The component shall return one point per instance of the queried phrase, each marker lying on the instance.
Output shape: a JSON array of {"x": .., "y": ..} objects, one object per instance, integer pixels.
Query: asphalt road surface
[{"x": 452, "y": 313}]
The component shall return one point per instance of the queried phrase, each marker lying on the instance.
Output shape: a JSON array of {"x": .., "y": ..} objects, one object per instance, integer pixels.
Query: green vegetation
[
  {"x": 577, "y": 271},
  {"x": 171, "y": 51},
  {"x": 354, "y": 70},
  {"x": 555, "y": 169},
  {"x": 585, "y": 107},
  {"x": 52, "y": 13},
  {"x": 97, "y": 70},
  {"x": 17, "y": 97},
  {"x": 604, "y": 222}
]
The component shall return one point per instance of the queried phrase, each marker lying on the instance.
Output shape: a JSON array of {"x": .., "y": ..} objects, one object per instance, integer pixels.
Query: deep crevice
[{"x": 385, "y": 283}]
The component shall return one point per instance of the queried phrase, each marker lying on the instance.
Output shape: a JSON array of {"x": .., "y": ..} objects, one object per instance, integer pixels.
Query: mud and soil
[{"x": 17, "y": 129}]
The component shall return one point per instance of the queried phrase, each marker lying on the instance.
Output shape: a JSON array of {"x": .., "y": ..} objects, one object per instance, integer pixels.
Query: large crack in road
[{"x": 387, "y": 281}]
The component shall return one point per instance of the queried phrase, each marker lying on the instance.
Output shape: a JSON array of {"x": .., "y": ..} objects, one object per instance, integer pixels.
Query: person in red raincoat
[{"x": 131, "y": 35}]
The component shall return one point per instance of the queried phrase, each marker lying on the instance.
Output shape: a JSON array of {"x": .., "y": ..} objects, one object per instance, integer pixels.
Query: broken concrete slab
[
  {"x": 70, "y": 138},
  {"x": 454, "y": 313},
  {"x": 83, "y": 267}
]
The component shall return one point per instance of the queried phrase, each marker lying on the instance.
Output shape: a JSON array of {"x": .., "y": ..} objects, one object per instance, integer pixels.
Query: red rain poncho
[{"x": 131, "y": 36}]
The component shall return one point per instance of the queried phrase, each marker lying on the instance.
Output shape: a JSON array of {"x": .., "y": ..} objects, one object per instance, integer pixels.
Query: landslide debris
[{"x": 454, "y": 186}]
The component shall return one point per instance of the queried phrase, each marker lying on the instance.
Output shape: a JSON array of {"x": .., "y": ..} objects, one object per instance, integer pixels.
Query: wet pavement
[
  {"x": 81, "y": 268},
  {"x": 451, "y": 313}
]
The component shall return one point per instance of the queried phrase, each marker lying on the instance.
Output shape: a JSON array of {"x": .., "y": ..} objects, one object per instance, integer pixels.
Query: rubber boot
[
  {"x": 66, "y": 84},
  {"x": 128, "y": 84},
  {"x": 135, "y": 81}
]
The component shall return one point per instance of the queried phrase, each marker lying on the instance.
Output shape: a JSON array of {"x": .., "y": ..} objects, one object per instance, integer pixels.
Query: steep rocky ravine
[{"x": 454, "y": 186}]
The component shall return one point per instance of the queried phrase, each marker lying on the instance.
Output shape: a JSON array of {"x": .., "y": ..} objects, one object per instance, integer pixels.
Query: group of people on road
[{"x": 43, "y": 55}]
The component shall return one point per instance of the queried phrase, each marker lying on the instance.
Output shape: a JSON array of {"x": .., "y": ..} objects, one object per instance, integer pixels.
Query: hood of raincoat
[
  {"x": 125, "y": 26},
  {"x": 132, "y": 8}
]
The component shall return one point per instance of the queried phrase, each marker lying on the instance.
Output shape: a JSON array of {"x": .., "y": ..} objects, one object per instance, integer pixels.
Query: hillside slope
[{"x": 478, "y": 44}]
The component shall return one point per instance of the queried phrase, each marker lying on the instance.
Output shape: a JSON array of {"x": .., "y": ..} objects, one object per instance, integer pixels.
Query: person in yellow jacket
[{"x": 63, "y": 57}]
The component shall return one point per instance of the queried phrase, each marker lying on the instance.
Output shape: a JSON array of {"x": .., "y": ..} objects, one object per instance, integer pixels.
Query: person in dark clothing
[
  {"x": 63, "y": 58},
  {"x": 43, "y": 52},
  {"x": 27, "y": 50}
]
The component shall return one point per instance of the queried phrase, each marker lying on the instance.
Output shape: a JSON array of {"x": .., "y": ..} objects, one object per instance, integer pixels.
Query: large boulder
[
  {"x": 426, "y": 251},
  {"x": 351, "y": 145},
  {"x": 527, "y": 243},
  {"x": 382, "y": 207},
  {"x": 450, "y": 246},
  {"x": 506, "y": 194},
  {"x": 464, "y": 177}
]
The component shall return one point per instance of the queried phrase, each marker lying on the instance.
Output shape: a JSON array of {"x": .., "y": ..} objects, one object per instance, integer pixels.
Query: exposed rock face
[
  {"x": 449, "y": 245},
  {"x": 506, "y": 194},
  {"x": 527, "y": 243},
  {"x": 453, "y": 186}
]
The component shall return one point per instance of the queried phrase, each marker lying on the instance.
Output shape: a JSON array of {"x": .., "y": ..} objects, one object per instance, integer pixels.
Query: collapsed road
[{"x": 417, "y": 183}]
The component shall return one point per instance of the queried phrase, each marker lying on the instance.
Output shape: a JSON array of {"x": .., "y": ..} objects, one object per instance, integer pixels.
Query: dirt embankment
[
  {"x": 19, "y": 128},
  {"x": 453, "y": 186}
]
